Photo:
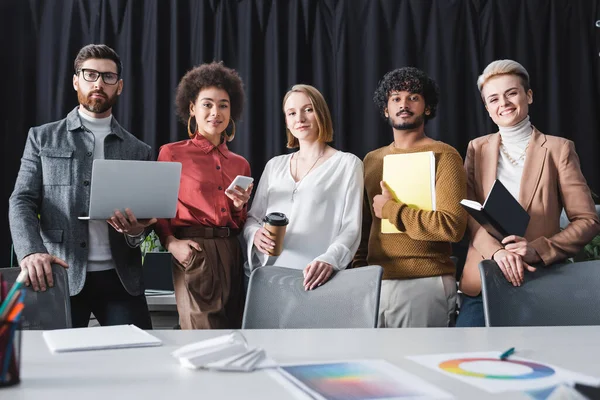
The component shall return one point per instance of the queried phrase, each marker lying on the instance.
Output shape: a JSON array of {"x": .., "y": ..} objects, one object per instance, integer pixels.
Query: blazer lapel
[
  {"x": 532, "y": 170},
  {"x": 488, "y": 159}
]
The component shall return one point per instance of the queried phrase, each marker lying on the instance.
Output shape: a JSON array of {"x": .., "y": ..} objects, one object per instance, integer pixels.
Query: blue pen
[{"x": 507, "y": 353}]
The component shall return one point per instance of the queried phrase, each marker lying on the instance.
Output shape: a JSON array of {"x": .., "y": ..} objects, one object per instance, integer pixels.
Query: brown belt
[{"x": 206, "y": 232}]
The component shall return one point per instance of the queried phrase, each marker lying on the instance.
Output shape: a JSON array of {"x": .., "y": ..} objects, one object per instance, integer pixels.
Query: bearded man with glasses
[{"x": 53, "y": 189}]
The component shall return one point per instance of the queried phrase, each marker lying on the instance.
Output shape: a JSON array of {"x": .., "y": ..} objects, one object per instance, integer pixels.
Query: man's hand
[
  {"x": 380, "y": 200},
  {"x": 129, "y": 224},
  {"x": 521, "y": 246},
  {"x": 239, "y": 196},
  {"x": 39, "y": 269}
]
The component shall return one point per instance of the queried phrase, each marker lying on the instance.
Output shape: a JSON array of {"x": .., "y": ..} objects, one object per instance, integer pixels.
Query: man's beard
[
  {"x": 405, "y": 126},
  {"x": 97, "y": 106}
]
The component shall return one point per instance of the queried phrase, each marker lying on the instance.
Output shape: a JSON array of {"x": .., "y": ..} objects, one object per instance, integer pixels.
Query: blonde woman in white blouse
[{"x": 317, "y": 187}]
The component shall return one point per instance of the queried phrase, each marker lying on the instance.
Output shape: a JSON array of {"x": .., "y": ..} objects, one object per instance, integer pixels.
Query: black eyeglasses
[{"x": 91, "y": 75}]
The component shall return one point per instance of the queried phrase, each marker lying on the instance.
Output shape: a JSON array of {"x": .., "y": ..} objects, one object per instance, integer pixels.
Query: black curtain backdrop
[{"x": 341, "y": 47}]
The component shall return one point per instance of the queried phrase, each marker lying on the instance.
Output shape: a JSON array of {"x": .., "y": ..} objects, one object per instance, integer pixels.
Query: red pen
[{"x": 3, "y": 288}]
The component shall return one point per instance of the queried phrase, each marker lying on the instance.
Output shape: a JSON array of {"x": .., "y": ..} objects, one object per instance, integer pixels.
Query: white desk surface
[{"x": 152, "y": 373}]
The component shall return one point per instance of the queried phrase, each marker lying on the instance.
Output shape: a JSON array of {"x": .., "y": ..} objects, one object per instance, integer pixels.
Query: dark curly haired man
[{"x": 419, "y": 286}]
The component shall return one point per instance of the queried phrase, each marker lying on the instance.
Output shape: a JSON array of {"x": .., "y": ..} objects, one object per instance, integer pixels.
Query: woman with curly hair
[
  {"x": 419, "y": 287},
  {"x": 317, "y": 187},
  {"x": 207, "y": 259}
]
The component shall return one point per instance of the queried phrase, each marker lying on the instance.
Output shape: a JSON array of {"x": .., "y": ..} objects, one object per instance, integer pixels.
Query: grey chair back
[
  {"x": 557, "y": 295},
  {"x": 277, "y": 299},
  {"x": 44, "y": 310}
]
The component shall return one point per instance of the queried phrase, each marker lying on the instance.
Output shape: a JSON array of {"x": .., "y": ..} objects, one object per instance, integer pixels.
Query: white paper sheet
[
  {"x": 354, "y": 380},
  {"x": 486, "y": 371},
  {"x": 223, "y": 353}
]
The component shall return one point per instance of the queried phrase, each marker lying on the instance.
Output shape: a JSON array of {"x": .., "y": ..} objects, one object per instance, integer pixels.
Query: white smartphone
[{"x": 241, "y": 181}]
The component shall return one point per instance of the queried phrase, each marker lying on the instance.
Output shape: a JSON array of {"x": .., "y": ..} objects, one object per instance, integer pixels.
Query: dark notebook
[
  {"x": 501, "y": 214},
  {"x": 157, "y": 271}
]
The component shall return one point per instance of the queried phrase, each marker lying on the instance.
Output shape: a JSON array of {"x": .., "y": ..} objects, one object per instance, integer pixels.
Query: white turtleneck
[
  {"x": 514, "y": 141},
  {"x": 99, "y": 255}
]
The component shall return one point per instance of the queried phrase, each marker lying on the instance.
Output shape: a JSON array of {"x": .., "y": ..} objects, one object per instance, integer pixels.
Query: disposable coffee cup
[{"x": 276, "y": 223}]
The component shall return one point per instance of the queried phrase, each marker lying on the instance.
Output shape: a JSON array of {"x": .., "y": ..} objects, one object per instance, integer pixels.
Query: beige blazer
[{"x": 551, "y": 180}]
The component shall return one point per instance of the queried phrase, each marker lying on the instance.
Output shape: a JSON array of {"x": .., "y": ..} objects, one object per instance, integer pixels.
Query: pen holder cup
[{"x": 10, "y": 353}]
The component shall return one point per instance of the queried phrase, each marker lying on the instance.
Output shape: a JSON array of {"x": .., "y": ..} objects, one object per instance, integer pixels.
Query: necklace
[
  {"x": 296, "y": 184},
  {"x": 508, "y": 156}
]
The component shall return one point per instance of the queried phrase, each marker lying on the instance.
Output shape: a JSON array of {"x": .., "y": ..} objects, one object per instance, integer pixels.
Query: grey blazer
[{"x": 54, "y": 184}]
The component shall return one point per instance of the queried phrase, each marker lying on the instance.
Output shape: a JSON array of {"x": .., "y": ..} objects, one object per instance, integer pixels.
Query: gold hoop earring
[
  {"x": 190, "y": 134},
  {"x": 229, "y": 138}
]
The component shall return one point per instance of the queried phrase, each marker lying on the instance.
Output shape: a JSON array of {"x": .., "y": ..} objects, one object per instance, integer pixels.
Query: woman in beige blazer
[{"x": 542, "y": 172}]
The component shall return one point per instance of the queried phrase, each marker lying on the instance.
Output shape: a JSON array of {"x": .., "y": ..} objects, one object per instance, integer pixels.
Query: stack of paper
[
  {"x": 158, "y": 292},
  {"x": 98, "y": 338},
  {"x": 223, "y": 353}
]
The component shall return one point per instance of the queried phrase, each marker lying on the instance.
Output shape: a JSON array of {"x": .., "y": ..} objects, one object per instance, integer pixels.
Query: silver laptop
[{"x": 149, "y": 188}]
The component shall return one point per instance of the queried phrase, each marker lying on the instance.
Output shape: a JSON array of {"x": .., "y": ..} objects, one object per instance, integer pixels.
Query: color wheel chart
[
  {"x": 532, "y": 370},
  {"x": 486, "y": 371}
]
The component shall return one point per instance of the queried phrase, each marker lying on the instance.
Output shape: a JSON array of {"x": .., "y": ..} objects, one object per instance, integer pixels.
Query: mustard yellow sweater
[{"x": 424, "y": 248}]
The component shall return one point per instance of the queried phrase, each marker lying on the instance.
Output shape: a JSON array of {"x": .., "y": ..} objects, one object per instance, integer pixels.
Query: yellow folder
[{"x": 411, "y": 179}]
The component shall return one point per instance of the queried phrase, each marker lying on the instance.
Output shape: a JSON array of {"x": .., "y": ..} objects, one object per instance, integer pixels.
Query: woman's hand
[
  {"x": 512, "y": 266},
  {"x": 264, "y": 241},
  {"x": 239, "y": 196},
  {"x": 182, "y": 249},
  {"x": 521, "y": 246},
  {"x": 316, "y": 273}
]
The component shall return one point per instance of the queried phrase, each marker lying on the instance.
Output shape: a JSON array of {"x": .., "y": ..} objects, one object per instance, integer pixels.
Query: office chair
[
  {"x": 44, "y": 310},
  {"x": 564, "y": 220},
  {"x": 558, "y": 295},
  {"x": 277, "y": 299}
]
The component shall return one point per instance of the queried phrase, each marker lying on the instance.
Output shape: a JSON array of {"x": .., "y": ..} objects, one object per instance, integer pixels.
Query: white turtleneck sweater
[
  {"x": 514, "y": 141},
  {"x": 99, "y": 255}
]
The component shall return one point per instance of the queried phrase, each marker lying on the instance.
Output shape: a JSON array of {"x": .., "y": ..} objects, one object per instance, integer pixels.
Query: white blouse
[{"x": 325, "y": 215}]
